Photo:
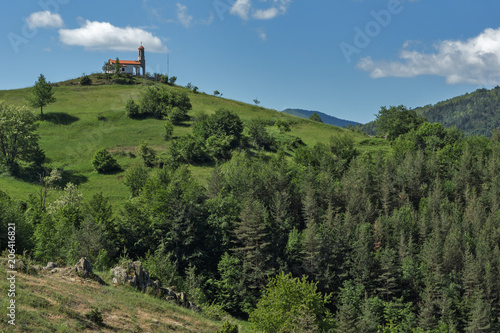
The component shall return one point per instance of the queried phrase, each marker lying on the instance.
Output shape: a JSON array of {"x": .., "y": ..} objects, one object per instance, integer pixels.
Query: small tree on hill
[
  {"x": 41, "y": 94},
  {"x": 316, "y": 117},
  {"x": 107, "y": 68}
]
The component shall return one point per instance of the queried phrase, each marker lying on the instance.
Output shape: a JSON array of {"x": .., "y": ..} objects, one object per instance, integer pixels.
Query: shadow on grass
[
  {"x": 31, "y": 174},
  {"x": 112, "y": 172},
  {"x": 60, "y": 118},
  {"x": 72, "y": 177}
]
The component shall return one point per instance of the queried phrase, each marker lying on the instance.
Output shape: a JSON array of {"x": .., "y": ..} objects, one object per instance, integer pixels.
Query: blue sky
[{"x": 346, "y": 58}]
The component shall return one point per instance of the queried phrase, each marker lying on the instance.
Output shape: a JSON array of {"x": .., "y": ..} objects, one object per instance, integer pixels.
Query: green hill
[
  {"x": 477, "y": 113},
  {"x": 327, "y": 119},
  {"x": 87, "y": 118}
]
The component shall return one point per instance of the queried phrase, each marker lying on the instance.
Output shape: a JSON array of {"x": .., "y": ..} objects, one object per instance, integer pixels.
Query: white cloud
[
  {"x": 475, "y": 60},
  {"x": 95, "y": 35},
  {"x": 183, "y": 16},
  {"x": 44, "y": 20},
  {"x": 242, "y": 8},
  {"x": 266, "y": 14}
]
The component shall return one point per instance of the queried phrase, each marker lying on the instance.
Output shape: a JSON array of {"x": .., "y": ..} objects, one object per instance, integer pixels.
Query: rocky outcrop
[
  {"x": 83, "y": 268},
  {"x": 132, "y": 274}
]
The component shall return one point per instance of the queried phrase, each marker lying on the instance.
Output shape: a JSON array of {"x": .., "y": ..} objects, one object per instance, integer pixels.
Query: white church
[{"x": 130, "y": 66}]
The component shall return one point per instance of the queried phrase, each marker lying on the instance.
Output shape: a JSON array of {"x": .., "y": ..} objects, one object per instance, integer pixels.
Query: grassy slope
[
  {"x": 72, "y": 133},
  {"x": 58, "y": 303}
]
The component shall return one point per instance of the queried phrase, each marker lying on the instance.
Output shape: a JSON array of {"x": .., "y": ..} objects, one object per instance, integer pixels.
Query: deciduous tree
[
  {"x": 18, "y": 139},
  {"x": 41, "y": 94}
]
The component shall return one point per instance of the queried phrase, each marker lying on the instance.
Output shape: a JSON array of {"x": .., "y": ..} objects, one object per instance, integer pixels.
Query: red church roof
[
  {"x": 141, "y": 47},
  {"x": 126, "y": 62}
]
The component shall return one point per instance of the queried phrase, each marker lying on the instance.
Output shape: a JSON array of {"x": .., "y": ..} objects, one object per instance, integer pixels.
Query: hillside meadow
[{"x": 87, "y": 118}]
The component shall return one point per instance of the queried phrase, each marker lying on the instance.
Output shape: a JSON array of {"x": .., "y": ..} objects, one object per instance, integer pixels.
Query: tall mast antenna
[{"x": 168, "y": 64}]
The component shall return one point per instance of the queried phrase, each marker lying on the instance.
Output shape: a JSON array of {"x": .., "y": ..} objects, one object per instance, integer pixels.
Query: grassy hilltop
[{"x": 87, "y": 118}]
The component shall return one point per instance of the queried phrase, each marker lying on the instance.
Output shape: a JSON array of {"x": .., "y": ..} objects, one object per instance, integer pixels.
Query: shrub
[
  {"x": 161, "y": 102},
  {"x": 190, "y": 149},
  {"x": 222, "y": 123},
  {"x": 282, "y": 125},
  {"x": 86, "y": 80},
  {"x": 176, "y": 115},
  {"x": 258, "y": 134},
  {"x": 161, "y": 267},
  {"x": 103, "y": 162},
  {"x": 95, "y": 316},
  {"x": 172, "y": 80},
  {"x": 286, "y": 301},
  {"x": 227, "y": 327},
  {"x": 132, "y": 109},
  {"x": 219, "y": 147}
]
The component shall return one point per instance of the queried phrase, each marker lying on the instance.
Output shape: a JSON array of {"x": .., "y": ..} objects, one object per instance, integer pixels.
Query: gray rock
[
  {"x": 133, "y": 275},
  {"x": 84, "y": 268},
  {"x": 50, "y": 266},
  {"x": 120, "y": 276}
]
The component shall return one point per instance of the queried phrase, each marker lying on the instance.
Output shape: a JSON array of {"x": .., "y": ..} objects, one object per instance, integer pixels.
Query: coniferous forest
[{"x": 326, "y": 238}]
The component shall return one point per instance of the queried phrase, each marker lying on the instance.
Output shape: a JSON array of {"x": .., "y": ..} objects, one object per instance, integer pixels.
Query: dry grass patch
[{"x": 59, "y": 303}]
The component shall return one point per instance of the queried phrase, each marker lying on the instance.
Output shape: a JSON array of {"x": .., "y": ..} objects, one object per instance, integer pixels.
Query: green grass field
[{"x": 87, "y": 118}]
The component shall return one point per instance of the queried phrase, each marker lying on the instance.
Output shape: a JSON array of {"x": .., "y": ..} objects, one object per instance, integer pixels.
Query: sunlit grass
[{"x": 85, "y": 119}]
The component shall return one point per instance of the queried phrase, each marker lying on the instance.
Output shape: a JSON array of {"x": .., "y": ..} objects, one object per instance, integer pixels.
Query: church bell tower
[{"x": 142, "y": 60}]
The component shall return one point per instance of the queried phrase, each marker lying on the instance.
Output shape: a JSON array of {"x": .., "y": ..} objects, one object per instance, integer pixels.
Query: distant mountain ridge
[{"x": 327, "y": 119}]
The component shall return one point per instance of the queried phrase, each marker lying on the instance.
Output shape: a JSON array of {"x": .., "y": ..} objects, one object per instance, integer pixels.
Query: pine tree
[
  {"x": 253, "y": 243},
  {"x": 388, "y": 279},
  {"x": 369, "y": 320},
  {"x": 471, "y": 273},
  {"x": 479, "y": 314},
  {"x": 349, "y": 308},
  {"x": 311, "y": 249}
]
